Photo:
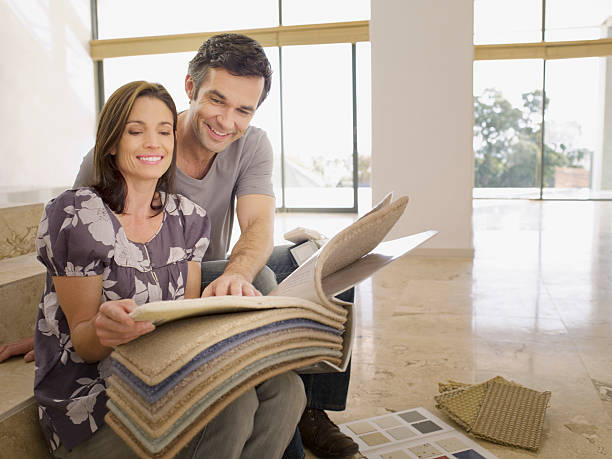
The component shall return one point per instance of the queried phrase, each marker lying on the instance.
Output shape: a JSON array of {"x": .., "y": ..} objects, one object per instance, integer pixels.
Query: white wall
[
  {"x": 422, "y": 58},
  {"x": 47, "y": 122}
]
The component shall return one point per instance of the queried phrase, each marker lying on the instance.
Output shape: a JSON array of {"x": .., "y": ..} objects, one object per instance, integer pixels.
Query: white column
[
  {"x": 602, "y": 164},
  {"x": 422, "y": 60}
]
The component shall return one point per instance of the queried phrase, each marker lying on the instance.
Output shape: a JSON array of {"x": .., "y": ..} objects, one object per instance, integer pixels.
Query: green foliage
[
  {"x": 507, "y": 142},
  {"x": 365, "y": 170}
]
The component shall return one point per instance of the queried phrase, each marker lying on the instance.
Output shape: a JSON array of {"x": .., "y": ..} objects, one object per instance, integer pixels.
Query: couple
[{"x": 218, "y": 157}]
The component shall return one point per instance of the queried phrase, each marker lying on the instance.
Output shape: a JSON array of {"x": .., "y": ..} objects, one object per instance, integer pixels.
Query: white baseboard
[{"x": 443, "y": 253}]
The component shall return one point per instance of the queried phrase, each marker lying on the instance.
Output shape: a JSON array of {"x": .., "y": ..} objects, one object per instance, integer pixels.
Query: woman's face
[{"x": 145, "y": 150}]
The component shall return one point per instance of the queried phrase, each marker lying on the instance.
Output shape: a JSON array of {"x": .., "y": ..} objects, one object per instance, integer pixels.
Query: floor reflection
[{"x": 534, "y": 306}]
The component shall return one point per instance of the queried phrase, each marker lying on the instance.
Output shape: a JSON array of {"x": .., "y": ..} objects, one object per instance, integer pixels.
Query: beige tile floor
[{"x": 534, "y": 305}]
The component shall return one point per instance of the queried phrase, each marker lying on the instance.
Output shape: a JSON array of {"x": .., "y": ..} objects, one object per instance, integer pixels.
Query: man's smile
[{"x": 219, "y": 135}]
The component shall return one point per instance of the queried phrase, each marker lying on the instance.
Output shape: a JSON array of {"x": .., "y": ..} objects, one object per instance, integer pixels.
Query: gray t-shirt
[{"x": 245, "y": 167}]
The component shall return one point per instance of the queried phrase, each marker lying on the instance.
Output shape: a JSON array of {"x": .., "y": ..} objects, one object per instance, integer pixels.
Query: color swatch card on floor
[{"x": 412, "y": 434}]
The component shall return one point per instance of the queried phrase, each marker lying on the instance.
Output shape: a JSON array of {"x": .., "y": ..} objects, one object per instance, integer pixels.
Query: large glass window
[
  {"x": 137, "y": 18},
  {"x": 537, "y": 137},
  {"x": 268, "y": 118},
  {"x": 499, "y": 21},
  {"x": 296, "y": 12},
  {"x": 167, "y": 69},
  {"x": 582, "y": 20},
  {"x": 573, "y": 132},
  {"x": 318, "y": 126},
  {"x": 170, "y": 71},
  {"x": 534, "y": 137},
  {"x": 363, "y": 76},
  {"x": 310, "y": 112},
  {"x": 507, "y": 128}
]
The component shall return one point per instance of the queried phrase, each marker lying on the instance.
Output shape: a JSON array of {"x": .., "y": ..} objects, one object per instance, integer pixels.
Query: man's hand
[
  {"x": 230, "y": 284},
  {"x": 23, "y": 346},
  {"x": 114, "y": 325},
  {"x": 256, "y": 219}
]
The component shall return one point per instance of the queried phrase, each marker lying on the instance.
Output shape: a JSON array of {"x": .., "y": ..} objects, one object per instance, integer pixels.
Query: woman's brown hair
[{"x": 109, "y": 182}]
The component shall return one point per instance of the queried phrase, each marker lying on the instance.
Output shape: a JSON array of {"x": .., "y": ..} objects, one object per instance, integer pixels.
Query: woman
[{"x": 126, "y": 241}]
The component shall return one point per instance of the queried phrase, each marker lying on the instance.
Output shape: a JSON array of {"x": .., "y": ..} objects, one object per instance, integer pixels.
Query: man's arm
[
  {"x": 256, "y": 219},
  {"x": 85, "y": 177}
]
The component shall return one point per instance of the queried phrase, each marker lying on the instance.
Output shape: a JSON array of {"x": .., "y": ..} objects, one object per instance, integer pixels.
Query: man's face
[{"x": 223, "y": 107}]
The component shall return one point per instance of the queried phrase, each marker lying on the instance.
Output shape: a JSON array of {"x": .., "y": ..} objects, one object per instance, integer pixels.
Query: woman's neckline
[{"x": 116, "y": 219}]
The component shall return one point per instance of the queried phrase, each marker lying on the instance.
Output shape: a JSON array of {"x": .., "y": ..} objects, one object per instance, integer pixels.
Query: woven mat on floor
[
  {"x": 497, "y": 410},
  {"x": 512, "y": 416},
  {"x": 463, "y": 404}
]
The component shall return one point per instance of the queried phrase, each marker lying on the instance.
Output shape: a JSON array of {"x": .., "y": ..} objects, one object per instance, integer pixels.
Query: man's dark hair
[{"x": 236, "y": 53}]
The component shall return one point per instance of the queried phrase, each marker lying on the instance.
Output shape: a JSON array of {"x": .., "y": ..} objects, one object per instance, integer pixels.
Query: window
[
  {"x": 540, "y": 126},
  {"x": 364, "y": 124},
  {"x": 310, "y": 112},
  {"x": 268, "y": 118},
  {"x": 503, "y": 21},
  {"x": 576, "y": 20},
  {"x": 573, "y": 132},
  {"x": 140, "y": 18},
  {"x": 166, "y": 69},
  {"x": 318, "y": 127},
  {"x": 296, "y": 12},
  {"x": 507, "y": 121}
]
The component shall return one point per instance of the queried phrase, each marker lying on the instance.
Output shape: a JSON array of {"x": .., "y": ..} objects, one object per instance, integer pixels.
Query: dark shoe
[{"x": 321, "y": 436}]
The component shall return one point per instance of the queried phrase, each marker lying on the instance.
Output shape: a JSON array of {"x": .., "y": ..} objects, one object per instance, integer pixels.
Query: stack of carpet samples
[
  {"x": 167, "y": 385},
  {"x": 496, "y": 410}
]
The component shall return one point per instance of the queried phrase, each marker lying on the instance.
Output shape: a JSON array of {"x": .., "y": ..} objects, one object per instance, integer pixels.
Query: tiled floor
[{"x": 534, "y": 306}]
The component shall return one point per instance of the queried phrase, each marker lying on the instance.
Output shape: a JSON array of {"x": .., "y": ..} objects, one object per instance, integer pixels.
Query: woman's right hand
[{"x": 114, "y": 325}]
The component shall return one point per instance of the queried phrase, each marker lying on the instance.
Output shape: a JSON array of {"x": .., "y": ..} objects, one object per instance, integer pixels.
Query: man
[{"x": 222, "y": 160}]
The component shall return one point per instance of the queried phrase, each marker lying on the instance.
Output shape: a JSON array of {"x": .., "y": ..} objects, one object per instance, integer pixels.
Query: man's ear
[{"x": 189, "y": 86}]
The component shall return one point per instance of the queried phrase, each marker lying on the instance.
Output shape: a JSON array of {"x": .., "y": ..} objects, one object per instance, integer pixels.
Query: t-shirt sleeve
[
  {"x": 75, "y": 236},
  {"x": 196, "y": 228},
  {"x": 255, "y": 175},
  {"x": 85, "y": 177}
]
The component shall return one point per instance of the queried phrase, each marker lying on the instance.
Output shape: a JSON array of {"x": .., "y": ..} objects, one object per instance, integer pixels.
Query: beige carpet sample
[
  {"x": 513, "y": 416},
  {"x": 155, "y": 356},
  {"x": 229, "y": 361},
  {"x": 496, "y": 410}
]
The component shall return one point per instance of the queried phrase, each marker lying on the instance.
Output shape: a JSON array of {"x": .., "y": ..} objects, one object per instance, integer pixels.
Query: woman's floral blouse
[{"x": 80, "y": 236}]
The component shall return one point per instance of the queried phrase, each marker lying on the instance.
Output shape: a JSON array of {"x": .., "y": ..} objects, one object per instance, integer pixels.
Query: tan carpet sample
[{"x": 497, "y": 410}]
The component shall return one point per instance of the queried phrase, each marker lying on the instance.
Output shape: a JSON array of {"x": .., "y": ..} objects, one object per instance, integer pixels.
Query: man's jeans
[{"x": 325, "y": 391}]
